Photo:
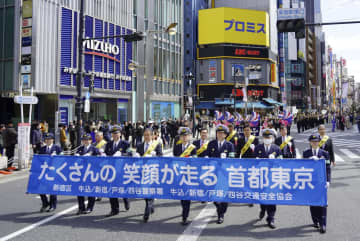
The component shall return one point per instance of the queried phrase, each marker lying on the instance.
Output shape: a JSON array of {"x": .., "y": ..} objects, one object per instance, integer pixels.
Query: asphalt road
[{"x": 20, "y": 217}]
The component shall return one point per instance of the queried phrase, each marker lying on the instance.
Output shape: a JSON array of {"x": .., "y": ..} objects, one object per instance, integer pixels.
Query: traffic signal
[
  {"x": 292, "y": 25},
  {"x": 137, "y": 36}
]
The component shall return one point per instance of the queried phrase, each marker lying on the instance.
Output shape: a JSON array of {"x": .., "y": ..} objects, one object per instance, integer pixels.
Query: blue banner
[{"x": 264, "y": 181}]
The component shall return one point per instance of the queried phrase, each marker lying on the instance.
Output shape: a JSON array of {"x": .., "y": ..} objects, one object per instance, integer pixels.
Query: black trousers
[
  {"x": 185, "y": 204},
  {"x": 149, "y": 207},
  {"x": 271, "y": 210},
  {"x": 45, "y": 202},
  {"x": 81, "y": 202},
  {"x": 221, "y": 209},
  {"x": 318, "y": 215},
  {"x": 10, "y": 154},
  {"x": 114, "y": 203}
]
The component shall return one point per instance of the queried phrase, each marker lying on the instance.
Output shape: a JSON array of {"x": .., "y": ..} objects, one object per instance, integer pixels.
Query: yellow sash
[
  {"x": 288, "y": 139},
  {"x": 101, "y": 144},
  {"x": 151, "y": 147},
  {"x": 247, "y": 145},
  {"x": 323, "y": 141},
  {"x": 178, "y": 142},
  {"x": 232, "y": 134},
  {"x": 188, "y": 150},
  {"x": 202, "y": 148}
]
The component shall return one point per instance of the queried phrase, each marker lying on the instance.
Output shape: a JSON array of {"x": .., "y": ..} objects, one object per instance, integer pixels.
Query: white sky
[{"x": 344, "y": 39}]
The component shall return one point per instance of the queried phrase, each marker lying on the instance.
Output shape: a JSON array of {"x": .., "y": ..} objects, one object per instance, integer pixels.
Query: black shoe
[
  {"x": 127, "y": 205},
  {"x": 146, "y": 218},
  {"x": 315, "y": 225},
  {"x": 98, "y": 199},
  {"x": 220, "y": 220},
  {"x": 184, "y": 221},
  {"x": 80, "y": 212},
  {"x": 322, "y": 229},
  {"x": 152, "y": 210},
  {"x": 112, "y": 213},
  {"x": 261, "y": 215},
  {"x": 203, "y": 202},
  {"x": 251, "y": 205},
  {"x": 271, "y": 225},
  {"x": 51, "y": 209},
  {"x": 43, "y": 208}
]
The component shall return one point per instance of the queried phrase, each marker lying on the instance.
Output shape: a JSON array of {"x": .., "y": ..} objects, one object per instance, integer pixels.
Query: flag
[
  {"x": 229, "y": 117},
  {"x": 254, "y": 119},
  {"x": 265, "y": 124},
  {"x": 287, "y": 117},
  {"x": 219, "y": 115}
]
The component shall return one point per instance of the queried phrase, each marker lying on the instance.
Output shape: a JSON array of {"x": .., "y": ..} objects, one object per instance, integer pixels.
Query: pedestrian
[
  {"x": 10, "y": 140},
  {"x": 318, "y": 213},
  {"x": 63, "y": 137},
  {"x": 149, "y": 148},
  {"x": 36, "y": 138},
  {"x": 72, "y": 135},
  {"x": 2, "y": 128},
  {"x": 184, "y": 149},
  {"x": 221, "y": 148},
  {"x": 268, "y": 150},
  {"x": 117, "y": 147},
  {"x": 86, "y": 149},
  {"x": 49, "y": 149}
]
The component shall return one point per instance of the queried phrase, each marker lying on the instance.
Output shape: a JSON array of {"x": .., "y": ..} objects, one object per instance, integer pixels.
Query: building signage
[
  {"x": 27, "y": 22},
  {"x": 291, "y": 13},
  {"x": 212, "y": 71},
  {"x": 100, "y": 46},
  {"x": 233, "y": 25},
  {"x": 234, "y": 52}
]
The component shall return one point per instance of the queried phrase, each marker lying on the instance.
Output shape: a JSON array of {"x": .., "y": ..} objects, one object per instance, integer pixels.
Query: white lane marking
[
  {"x": 298, "y": 155},
  {"x": 196, "y": 227},
  {"x": 37, "y": 224},
  {"x": 349, "y": 153},
  {"x": 12, "y": 178},
  {"x": 338, "y": 158}
]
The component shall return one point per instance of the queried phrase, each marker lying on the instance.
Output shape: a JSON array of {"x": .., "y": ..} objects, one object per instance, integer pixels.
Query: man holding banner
[
  {"x": 202, "y": 143},
  {"x": 286, "y": 143},
  {"x": 247, "y": 144},
  {"x": 272, "y": 151},
  {"x": 185, "y": 149},
  {"x": 318, "y": 213},
  {"x": 222, "y": 148},
  {"x": 149, "y": 148},
  {"x": 117, "y": 147},
  {"x": 49, "y": 149},
  {"x": 86, "y": 150}
]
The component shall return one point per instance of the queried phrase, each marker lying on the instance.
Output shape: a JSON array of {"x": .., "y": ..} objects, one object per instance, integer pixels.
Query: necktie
[
  {"x": 114, "y": 147},
  {"x": 146, "y": 147},
  {"x": 314, "y": 152},
  {"x": 220, "y": 145},
  {"x": 48, "y": 150},
  {"x": 267, "y": 149}
]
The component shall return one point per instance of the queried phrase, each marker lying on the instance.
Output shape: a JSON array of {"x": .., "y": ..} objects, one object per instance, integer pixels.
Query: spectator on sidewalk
[
  {"x": 10, "y": 140},
  {"x": 2, "y": 128},
  {"x": 358, "y": 121},
  {"x": 36, "y": 138}
]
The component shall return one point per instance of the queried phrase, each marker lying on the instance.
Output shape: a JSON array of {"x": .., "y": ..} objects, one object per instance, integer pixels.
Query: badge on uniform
[
  {"x": 225, "y": 151},
  {"x": 120, "y": 149},
  {"x": 259, "y": 151},
  {"x": 213, "y": 149}
]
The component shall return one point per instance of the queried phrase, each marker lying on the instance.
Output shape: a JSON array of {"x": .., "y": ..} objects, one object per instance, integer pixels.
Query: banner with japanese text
[{"x": 264, "y": 181}]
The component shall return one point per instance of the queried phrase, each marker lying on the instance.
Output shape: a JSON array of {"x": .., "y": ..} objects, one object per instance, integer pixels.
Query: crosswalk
[{"x": 342, "y": 156}]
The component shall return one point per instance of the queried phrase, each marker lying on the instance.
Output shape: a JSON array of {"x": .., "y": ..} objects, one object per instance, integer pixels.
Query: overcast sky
[{"x": 344, "y": 39}]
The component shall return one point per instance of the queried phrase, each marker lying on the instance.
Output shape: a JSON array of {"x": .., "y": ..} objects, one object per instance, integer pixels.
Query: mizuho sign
[{"x": 100, "y": 46}]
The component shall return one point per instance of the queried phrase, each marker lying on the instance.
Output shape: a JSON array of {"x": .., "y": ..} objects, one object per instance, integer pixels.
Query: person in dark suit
[
  {"x": 327, "y": 145},
  {"x": 184, "y": 149},
  {"x": 49, "y": 149},
  {"x": 245, "y": 150},
  {"x": 318, "y": 214},
  {"x": 36, "y": 138},
  {"x": 223, "y": 149},
  {"x": 86, "y": 149},
  {"x": 117, "y": 147},
  {"x": 233, "y": 136},
  {"x": 268, "y": 150},
  {"x": 286, "y": 143},
  {"x": 202, "y": 143},
  {"x": 146, "y": 149}
]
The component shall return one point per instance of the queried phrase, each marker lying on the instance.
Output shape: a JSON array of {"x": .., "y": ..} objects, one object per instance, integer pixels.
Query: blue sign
[
  {"x": 64, "y": 115},
  {"x": 265, "y": 181},
  {"x": 290, "y": 13}
]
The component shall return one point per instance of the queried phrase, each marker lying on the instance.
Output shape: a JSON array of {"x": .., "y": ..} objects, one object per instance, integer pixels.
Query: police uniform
[
  {"x": 261, "y": 151},
  {"x": 49, "y": 150},
  {"x": 112, "y": 149},
  {"x": 217, "y": 149},
  {"x": 288, "y": 150},
  {"x": 86, "y": 151},
  {"x": 142, "y": 150},
  {"x": 178, "y": 151},
  {"x": 318, "y": 213}
]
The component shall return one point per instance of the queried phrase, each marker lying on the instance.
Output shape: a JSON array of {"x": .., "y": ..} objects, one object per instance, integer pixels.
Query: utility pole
[{"x": 78, "y": 105}]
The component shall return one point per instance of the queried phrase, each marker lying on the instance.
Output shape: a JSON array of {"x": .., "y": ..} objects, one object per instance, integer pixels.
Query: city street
[{"x": 20, "y": 218}]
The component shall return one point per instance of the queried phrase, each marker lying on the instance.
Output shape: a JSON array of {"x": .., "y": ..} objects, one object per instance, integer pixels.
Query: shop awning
[
  {"x": 224, "y": 101},
  {"x": 256, "y": 105},
  {"x": 272, "y": 102},
  {"x": 206, "y": 105}
]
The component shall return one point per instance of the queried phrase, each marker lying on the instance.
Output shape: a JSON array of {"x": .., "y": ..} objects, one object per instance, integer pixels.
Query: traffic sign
[{"x": 29, "y": 100}]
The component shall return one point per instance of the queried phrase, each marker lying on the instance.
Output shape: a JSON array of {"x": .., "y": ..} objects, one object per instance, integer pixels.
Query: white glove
[
  {"x": 102, "y": 154},
  {"x": 223, "y": 155},
  {"x": 117, "y": 153},
  {"x": 136, "y": 154},
  {"x": 314, "y": 158},
  {"x": 148, "y": 155},
  {"x": 327, "y": 185},
  {"x": 252, "y": 146},
  {"x": 153, "y": 153},
  {"x": 88, "y": 154},
  {"x": 289, "y": 144},
  {"x": 206, "y": 156},
  {"x": 77, "y": 154},
  {"x": 271, "y": 156},
  {"x": 53, "y": 154}
]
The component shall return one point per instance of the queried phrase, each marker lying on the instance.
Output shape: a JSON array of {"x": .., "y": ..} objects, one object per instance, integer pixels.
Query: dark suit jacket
[
  {"x": 54, "y": 148},
  {"x": 213, "y": 148},
  {"x": 287, "y": 152},
  {"x": 205, "y": 152},
  {"x": 261, "y": 153},
  {"x": 328, "y": 147},
  {"x": 235, "y": 140},
  {"x": 249, "y": 153},
  {"x": 92, "y": 149},
  {"x": 177, "y": 151},
  {"x": 321, "y": 154},
  {"x": 122, "y": 147},
  {"x": 141, "y": 149}
]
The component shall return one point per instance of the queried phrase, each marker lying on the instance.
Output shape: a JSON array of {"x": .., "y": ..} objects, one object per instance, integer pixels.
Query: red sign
[
  {"x": 246, "y": 52},
  {"x": 239, "y": 92}
]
